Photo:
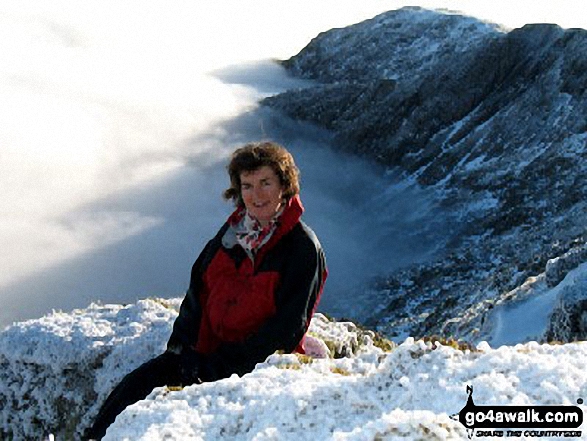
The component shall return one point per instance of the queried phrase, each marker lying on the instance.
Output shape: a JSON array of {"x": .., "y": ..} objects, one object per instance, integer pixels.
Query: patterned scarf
[{"x": 251, "y": 235}]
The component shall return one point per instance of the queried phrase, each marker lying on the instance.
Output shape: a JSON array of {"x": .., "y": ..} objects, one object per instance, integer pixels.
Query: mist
[
  {"x": 116, "y": 123},
  {"x": 140, "y": 241}
]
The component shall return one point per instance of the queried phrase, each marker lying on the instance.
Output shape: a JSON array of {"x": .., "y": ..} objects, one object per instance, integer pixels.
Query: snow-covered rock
[
  {"x": 494, "y": 120},
  {"x": 559, "y": 267},
  {"x": 56, "y": 371},
  {"x": 399, "y": 45},
  {"x": 408, "y": 393},
  {"x": 568, "y": 321}
]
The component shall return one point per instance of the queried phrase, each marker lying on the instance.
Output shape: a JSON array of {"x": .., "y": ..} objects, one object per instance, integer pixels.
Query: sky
[{"x": 116, "y": 117}]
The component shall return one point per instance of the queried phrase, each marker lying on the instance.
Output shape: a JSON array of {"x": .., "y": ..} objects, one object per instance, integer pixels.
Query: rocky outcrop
[
  {"x": 56, "y": 371},
  {"x": 496, "y": 121},
  {"x": 568, "y": 321},
  {"x": 557, "y": 268}
]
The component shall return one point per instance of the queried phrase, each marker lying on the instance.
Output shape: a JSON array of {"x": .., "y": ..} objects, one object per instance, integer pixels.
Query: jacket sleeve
[
  {"x": 187, "y": 323},
  {"x": 296, "y": 297}
]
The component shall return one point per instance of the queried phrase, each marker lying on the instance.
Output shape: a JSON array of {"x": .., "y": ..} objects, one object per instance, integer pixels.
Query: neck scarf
[{"x": 251, "y": 235}]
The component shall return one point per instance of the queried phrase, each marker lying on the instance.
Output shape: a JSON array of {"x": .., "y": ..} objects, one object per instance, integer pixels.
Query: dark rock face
[
  {"x": 568, "y": 321},
  {"x": 495, "y": 120}
]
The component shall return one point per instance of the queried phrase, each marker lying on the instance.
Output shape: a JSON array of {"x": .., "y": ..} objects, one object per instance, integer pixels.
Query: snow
[
  {"x": 528, "y": 317},
  {"x": 55, "y": 372},
  {"x": 55, "y": 369},
  {"x": 454, "y": 36},
  {"x": 408, "y": 393},
  {"x": 532, "y": 314}
]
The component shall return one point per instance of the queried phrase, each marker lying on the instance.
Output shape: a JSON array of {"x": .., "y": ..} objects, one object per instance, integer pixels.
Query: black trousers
[{"x": 164, "y": 370}]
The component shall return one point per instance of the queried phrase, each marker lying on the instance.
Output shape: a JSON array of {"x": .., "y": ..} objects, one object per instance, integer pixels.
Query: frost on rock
[
  {"x": 344, "y": 338},
  {"x": 557, "y": 268},
  {"x": 492, "y": 120},
  {"x": 408, "y": 393},
  {"x": 56, "y": 371},
  {"x": 568, "y": 321}
]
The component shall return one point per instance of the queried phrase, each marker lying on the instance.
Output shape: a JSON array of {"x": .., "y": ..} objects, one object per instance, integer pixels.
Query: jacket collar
[{"x": 291, "y": 214}]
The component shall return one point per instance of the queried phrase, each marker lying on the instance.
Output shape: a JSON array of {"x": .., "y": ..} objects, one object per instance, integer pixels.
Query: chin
[{"x": 263, "y": 217}]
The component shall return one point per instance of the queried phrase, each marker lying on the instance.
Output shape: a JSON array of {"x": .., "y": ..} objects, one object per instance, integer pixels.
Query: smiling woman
[
  {"x": 262, "y": 193},
  {"x": 262, "y": 177},
  {"x": 253, "y": 289}
]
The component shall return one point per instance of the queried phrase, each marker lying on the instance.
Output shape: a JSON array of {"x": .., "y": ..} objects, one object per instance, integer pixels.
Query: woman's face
[{"x": 262, "y": 193}]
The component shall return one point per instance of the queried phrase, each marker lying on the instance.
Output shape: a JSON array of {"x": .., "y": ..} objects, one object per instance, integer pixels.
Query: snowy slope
[
  {"x": 412, "y": 40},
  {"x": 408, "y": 394},
  {"x": 528, "y": 315},
  {"x": 55, "y": 372},
  {"x": 493, "y": 121}
]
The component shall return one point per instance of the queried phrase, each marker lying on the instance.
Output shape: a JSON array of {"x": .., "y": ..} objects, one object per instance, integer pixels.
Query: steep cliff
[{"x": 496, "y": 121}]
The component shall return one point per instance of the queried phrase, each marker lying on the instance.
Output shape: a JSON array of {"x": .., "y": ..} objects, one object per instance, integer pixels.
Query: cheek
[{"x": 246, "y": 196}]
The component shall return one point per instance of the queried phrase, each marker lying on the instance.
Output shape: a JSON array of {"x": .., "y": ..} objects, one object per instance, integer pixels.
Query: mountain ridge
[{"x": 497, "y": 127}]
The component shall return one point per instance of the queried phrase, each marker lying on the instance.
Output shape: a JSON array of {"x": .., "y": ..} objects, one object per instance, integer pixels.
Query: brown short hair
[{"x": 254, "y": 155}]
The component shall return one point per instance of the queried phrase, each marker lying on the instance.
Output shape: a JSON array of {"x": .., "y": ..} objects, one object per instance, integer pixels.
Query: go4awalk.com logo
[{"x": 518, "y": 421}]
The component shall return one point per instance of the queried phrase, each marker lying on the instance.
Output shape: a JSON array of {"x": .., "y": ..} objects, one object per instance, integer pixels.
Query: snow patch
[
  {"x": 57, "y": 370},
  {"x": 529, "y": 316}
]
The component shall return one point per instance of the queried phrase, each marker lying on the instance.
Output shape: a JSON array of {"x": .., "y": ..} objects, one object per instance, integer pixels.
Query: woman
[{"x": 253, "y": 288}]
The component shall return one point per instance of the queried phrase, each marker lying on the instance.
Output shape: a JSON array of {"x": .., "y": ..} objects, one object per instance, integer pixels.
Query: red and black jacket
[{"x": 237, "y": 311}]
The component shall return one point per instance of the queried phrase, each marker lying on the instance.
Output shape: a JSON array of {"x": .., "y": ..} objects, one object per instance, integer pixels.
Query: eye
[{"x": 245, "y": 186}]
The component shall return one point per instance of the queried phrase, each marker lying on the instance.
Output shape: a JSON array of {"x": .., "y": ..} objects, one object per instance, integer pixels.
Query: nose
[{"x": 257, "y": 192}]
